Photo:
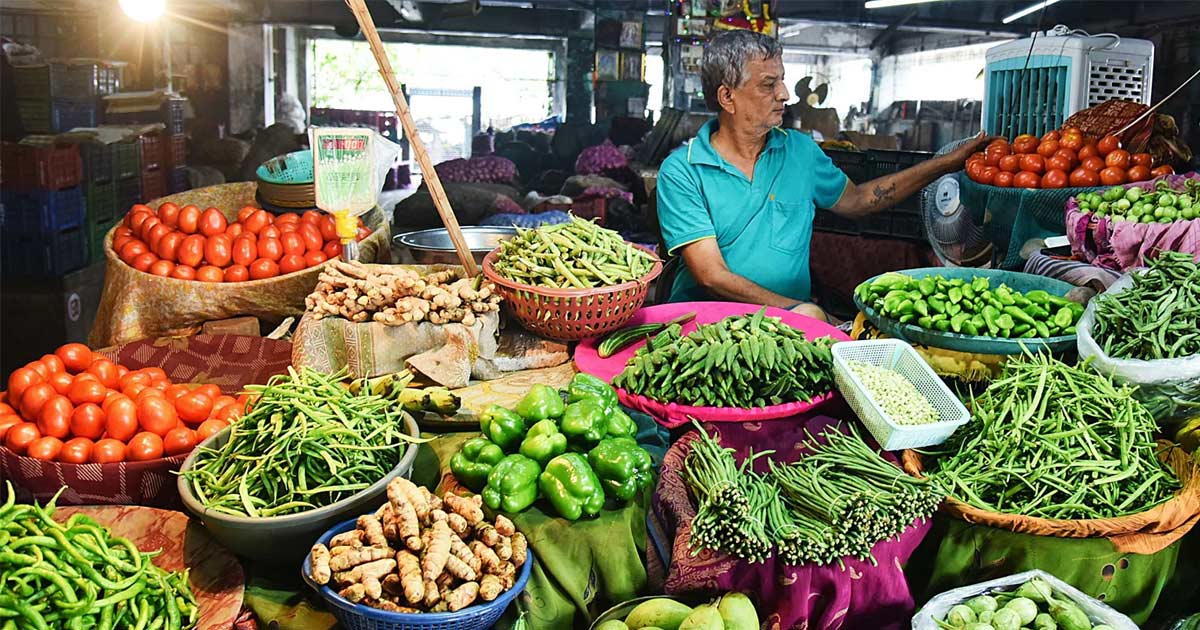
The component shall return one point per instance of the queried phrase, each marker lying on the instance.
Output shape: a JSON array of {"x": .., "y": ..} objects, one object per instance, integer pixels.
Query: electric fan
[{"x": 956, "y": 237}]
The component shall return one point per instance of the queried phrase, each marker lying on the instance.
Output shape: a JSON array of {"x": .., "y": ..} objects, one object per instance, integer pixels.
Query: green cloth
[{"x": 956, "y": 553}]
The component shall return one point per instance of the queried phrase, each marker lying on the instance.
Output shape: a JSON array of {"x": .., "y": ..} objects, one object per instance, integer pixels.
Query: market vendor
[{"x": 737, "y": 201}]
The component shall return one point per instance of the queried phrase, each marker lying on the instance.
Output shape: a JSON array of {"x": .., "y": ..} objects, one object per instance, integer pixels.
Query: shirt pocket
[{"x": 791, "y": 226}]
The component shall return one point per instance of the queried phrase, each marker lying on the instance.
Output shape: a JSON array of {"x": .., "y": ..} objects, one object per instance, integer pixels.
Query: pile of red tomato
[
  {"x": 1060, "y": 159},
  {"x": 190, "y": 244},
  {"x": 77, "y": 407}
]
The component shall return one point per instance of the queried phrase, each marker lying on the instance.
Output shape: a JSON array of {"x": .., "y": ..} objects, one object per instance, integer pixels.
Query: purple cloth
[{"x": 808, "y": 597}]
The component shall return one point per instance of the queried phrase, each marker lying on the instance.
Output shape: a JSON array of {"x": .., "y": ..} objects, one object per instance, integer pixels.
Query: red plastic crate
[
  {"x": 153, "y": 151},
  {"x": 176, "y": 151},
  {"x": 154, "y": 184},
  {"x": 28, "y": 167},
  {"x": 596, "y": 208}
]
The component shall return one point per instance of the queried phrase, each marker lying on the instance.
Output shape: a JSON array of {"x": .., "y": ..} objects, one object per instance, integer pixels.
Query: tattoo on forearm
[{"x": 883, "y": 196}]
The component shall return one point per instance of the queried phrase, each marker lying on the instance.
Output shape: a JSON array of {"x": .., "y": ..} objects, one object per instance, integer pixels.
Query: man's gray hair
[{"x": 726, "y": 57}]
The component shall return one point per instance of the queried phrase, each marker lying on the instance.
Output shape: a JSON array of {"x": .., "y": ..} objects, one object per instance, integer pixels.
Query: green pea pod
[
  {"x": 1029, "y": 334},
  {"x": 955, "y": 295},
  {"x": 1004, "y": 295},
  {"x": 939, "y": 317},
  {"x": 937, "y": 304},
  {"x": 1018, "y": 315},
  {"x": 990, "y": 316},
  {"x": 1037, "y": 311},
  {"x": 1020, "y": 329},
  {"x": 956, "y": 322}
]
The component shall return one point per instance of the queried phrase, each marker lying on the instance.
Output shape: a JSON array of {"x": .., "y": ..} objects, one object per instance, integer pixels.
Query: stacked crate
[
  {"x": 153, "y": 149},
  {"x": 43, "y": 220},
  {"x": 902, "y": 221},
  {"x": 100, "y": 194},
  {"x": 60, "y": 96},
  {"x": 163, "y": 155}
]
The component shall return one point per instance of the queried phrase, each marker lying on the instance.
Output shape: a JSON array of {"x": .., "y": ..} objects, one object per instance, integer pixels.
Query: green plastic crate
[
  {"x": 101, "y": 201},
  {"x": 96, "y": 233}
]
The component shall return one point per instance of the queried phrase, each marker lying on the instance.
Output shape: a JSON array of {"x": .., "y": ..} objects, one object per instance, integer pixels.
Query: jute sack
[{"x": 137, "y": 305}]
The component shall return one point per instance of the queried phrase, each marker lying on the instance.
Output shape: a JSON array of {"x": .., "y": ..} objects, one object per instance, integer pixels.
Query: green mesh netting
[{"x": 292, "y": 168}]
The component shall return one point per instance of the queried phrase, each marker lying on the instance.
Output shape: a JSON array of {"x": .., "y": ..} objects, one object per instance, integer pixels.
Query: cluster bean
[
  {"x": 1156, "y": 317},
  {"x": 574, "y": 255}
]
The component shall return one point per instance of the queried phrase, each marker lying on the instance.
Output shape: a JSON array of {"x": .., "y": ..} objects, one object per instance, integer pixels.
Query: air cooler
[{"x": 1035, "y": 91}]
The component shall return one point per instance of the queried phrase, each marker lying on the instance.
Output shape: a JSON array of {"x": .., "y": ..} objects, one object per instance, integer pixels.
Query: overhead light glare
[
  {"x": 143, "y": 10},
  {"x": 1027, "y": 10},
  {"x": 883, "y": 4}
]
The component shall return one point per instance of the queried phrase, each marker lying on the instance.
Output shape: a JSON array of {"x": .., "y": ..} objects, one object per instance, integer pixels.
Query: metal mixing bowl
[{"x": 429, "y": 247}]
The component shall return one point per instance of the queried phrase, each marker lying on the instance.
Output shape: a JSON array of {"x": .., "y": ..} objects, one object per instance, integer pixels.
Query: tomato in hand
[
  {"x": 144, "y": 446},
  {"x": 76, "y": 451},
  {"x": 108, "y": 451},
  {"x": 156, "y": 415},
  {"x": 218, "y": 250},
  {"x": 1119, "y": 158},
  {"x": 1027, "y": 179},
  {"x": 1054, "y": 178},
  {"x": 245, "y": 213},
  {"x": 178, "y": 441},
  {"x": 236, "y": 273},
  {"x": 87, "y": 420},
  {"x": 86, "y": 391},
  {"x": 1033, "y": 163},
  {"x": 194, "y": 407},
  {"x": 312, "y": 259},
  {"x": 209, "y": 273},
  {"x": 45, "y": 448},
  {"x": 121, "y": 421},
  {"x": 295, "y": 262},
  {"x": 1108, "y": 144},
  {"x": 263, "y": 268},
  {"x": 212, "y": 222},
  {"x": 189, "y": 219},
  {"x": 1112, "y": 176},
  {"x": 209, "y": 428},
  {"x": 20, "y": 380},
  {"x": 105, "y": 371},
  {"x": 1093, "y": 163},
  {"x": 270, "y": 248},
  {"x": 1082, "y": 177},
  {"x": 1138, "y": 173},
  {"x": 245, "y": 250},
  {"x": 1003, "y": 179},
  {"x": 144, "y": 261},
  {"x": 1159, "y": 171},
  {"x": 34, "y": 398},
  {"x": 257, "y": 221},
  {"x": 19, "y": 437}
]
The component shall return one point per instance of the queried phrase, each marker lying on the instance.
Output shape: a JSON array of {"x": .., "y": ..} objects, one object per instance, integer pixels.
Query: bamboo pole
[{"x": 367, "y": 24}]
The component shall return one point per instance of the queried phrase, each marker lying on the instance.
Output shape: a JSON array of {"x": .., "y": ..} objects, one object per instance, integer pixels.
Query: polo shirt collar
[{"x": 701, "y": 151}]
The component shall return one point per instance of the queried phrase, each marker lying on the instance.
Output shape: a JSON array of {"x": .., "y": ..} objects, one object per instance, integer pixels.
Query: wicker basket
[{"x": 571, "y": 314}]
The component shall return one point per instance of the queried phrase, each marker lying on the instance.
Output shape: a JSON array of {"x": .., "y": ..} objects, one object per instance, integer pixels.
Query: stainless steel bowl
[{"x": 429, "y": 247}]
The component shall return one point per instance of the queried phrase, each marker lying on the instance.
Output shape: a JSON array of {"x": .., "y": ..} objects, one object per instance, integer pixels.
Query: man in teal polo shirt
[{"x": 737, "y": 201}]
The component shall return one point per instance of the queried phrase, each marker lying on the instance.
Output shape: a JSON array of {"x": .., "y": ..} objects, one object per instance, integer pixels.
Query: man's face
[{"x": 759, "y": 101}]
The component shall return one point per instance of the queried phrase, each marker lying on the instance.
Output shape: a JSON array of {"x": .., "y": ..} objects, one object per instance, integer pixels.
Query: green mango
[
  {"x": 613, "y": 624},
  {"x": 661, "y": 612},
  {"x": 704, "y": 617},
  {"x": 737, "y": 611}
]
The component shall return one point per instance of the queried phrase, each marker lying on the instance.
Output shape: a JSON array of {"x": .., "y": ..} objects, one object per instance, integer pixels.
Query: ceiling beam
[{"x": 888, "y": 32}]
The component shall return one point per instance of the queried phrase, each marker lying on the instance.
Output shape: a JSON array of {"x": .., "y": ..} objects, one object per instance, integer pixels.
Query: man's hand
[
  {"x": 703, "y": 258},
  {"x": 959, "y": 156},
  {"x": 810, "y": 310}
]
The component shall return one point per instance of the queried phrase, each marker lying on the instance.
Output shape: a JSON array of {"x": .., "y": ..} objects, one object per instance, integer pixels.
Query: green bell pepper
[
  {"x": 544, "y": 442},
  {"x": 502, "y": 426},
  {"x": 1064, "y": 317},
  {"x": 587, "y": 386},
  {"x": 585, "y": 423},
  {"x": 572, "y": 487},
  {"x": 937, "y": 304},
  {"x": 926, "y": 285},
  {"x": 620, "y": 424},
  {"x": 1038, "y": 296},
  {"x": 623, "y": 467},
  {"x": 540, "y": 403},
  {"x": 512, "y": 485},
  {"x": 955, "y": 295},
  {"x": 1019, "y": 315},
  {"x": 472, "y": 463},
  {"x": 957, "y": 321}
]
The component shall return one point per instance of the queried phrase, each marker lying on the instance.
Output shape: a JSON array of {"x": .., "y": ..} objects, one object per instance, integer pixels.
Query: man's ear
[{"x": 725, "y": 99}]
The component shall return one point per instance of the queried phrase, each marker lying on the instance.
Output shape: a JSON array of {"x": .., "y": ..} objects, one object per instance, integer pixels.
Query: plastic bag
[
  {"x": 1097, "y": 612},
  {"x": 1168, "y": 388}
]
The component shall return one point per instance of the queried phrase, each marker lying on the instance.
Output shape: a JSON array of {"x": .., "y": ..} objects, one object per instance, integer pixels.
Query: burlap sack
[
  {"x": 1143, "y": 533},
  {"x": 449, "y": 354},
  {"x": 137, "y": 305}
]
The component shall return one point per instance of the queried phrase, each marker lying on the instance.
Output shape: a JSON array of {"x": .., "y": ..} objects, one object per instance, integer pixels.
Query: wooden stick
[
  {"x": 367, "y": 24},
  {"x": 1156, "y": 105}
]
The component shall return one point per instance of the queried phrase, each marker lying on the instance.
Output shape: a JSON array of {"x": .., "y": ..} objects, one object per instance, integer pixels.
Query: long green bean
[
  {"x": 577, "y": 254},
  {"x": 1156, "y": 317},
  {"x": 307, "y": 442},
  {"x": 76, "y": 575}
]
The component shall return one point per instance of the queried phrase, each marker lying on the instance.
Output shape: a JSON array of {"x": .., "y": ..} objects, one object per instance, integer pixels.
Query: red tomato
[
  {"x": 156, "y": 374},
  {"x": 1082, "y": 177},
  {"x": 1072, "y": 141},
  {"x": 105, "y": 371},
  {"x": 131, "y": 250},
  {"x": 1119, "y": 158},
  {"x": 212, "y": 222},
  {"x": 137, "y": 377},
  {"x": 312, "y": 259},
  {"x": 363, "y": 232},
  {"x": 169, "y": 214},
  {"x": 295, "y": 262},
  {"x": 293, "y": 243},
  {"x": 313, "y": 241},
  {"x": 1027, "y": 179},
  {"x": 87, "y": 391},
  {"x": 137, "y": 218},
  {"x": 20, "y": 380},
  {"x": 108, "y": 451},
  {"x": 40, "y": 368},
  {"x": 244, "y": 250},
  {"x": 269, "y": 232},
  {"x": 179, "y": 440},
  {"x": 1108, "y": 144},
  {"x": 156, "y": 415},
  {"x": 988, "y": 174},
  {"x": 332, "y": 249},
  {"x": 55, "y": 417},
  {"x": 245, "y": 213},
  {"x": 156, "y": 235},
  {"x": 168, "y": 246},
  {"x": 1058, "y": 163},
  {"x": 1051, "y": 136},
  {"x": 1003, "y": 179},
  {"x": 1087, "y": 151},
  {"x": 162, "y": 268},
  {"x": 212, "y": 390},
  {"x": 270, "y": 248},
  {"x": 311, "y": 216},
  {"x": 145, "y": 446},
  {"x": 1054, "y": 178},
  {"x": 229, "y": 414},
  {"x": 183, "y": 272},
  {"x": 1033, "y": 163},
  {"x": 1093, "y": 163},
  {"x": 284, "y": 219},
  {"x": 1048, "y": 148},
  {"x": 121, "y": 421},
  {"x": 209, "y": 428},
  {"x": 221, "y": 402},
  {"x": 9, "y": 420},
  {"x": 54, "y": 365},
  {"x": 189, "y": 219},
  {"x": 45, "y": 448},
  {"x": 20, "y": 436},
  {"x": 263, "y": 268},
  {"x": 1069, "y": 155},
  {"x": 1138, "y": 173},
  {"x": 144, "y": 261},
  {"x": 175, "y": 391},
  {"x": 120, "y": 241},
  {"x": 61, "y": 382},
  {"x": 328, "y": 228},
  {"x": 191, "y": 250},
  {"x": 1113, "y": 176},
  {"x": 34, "y": 398},
  {"x": 1143, "y": 159},
  {"x": 218, "y": 250},
  {"x": 1024, "y": 143},
  {"x": 236, "y": 273},
  {"x": 76, "y": 451},
  {"x": 209, "y": 273},
  {"x": 87, "y": 420},
  {"x": 1159, "y": 171},
  {"x": 194, "y": 407},
  {"x": 257, "y": 221}
]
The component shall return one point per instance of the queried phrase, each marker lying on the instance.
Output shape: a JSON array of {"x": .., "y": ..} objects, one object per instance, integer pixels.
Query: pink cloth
[
  {"x": 674, "y": 415},
  {"x": 803, "y": 597}
]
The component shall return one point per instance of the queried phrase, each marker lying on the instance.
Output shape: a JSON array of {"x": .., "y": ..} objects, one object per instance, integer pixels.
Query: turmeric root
[
  {"x": 435, "y": 502},
  {"x": 505, "y": 526},
  {"x": 372, "y": 531},
  {"x": 439, "y": 515},
  {"x": 487, "y": 558},
  {"x": 520, "y": 549},
  {"x": 464, "y": 553},
  {"x": 490, "y": 587},
  {"x": 435, "y": 558},
  {"x": 377, "y": 569},
  {"x": 504, "y": 548},
  {"x": 487, "y": 534},
  {"x": 462, "y": 596},
  {"x": 347, "y": 539},
  {"x": 320, "y": 571},
  {"x": 372, "y": 587},
  {"x": 459, "y": 569},
  {"x": 354, "y": 593},
  {"x": 390, "y": 606},
  {"x": 362, "y": 555},
  {"x": 409, "y": 570},
  {"x": 457, "y": 523},
  {"x": 432, "y": 596},
  {"x": 408, "y": 526},
  {"x": 415, "y": 498},
  {"x": 507, "y": 575},
  {"x": 466, "y": 508}
]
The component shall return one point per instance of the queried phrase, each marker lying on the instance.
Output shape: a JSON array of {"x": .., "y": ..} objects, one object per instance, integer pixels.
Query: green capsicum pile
[
  {"x": 576, "y": 454},
  {"x": 970, "y": 308}
]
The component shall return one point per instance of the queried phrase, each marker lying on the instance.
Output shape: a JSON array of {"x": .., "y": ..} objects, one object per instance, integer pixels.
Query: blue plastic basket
[{"x": 352, "y": 616}]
